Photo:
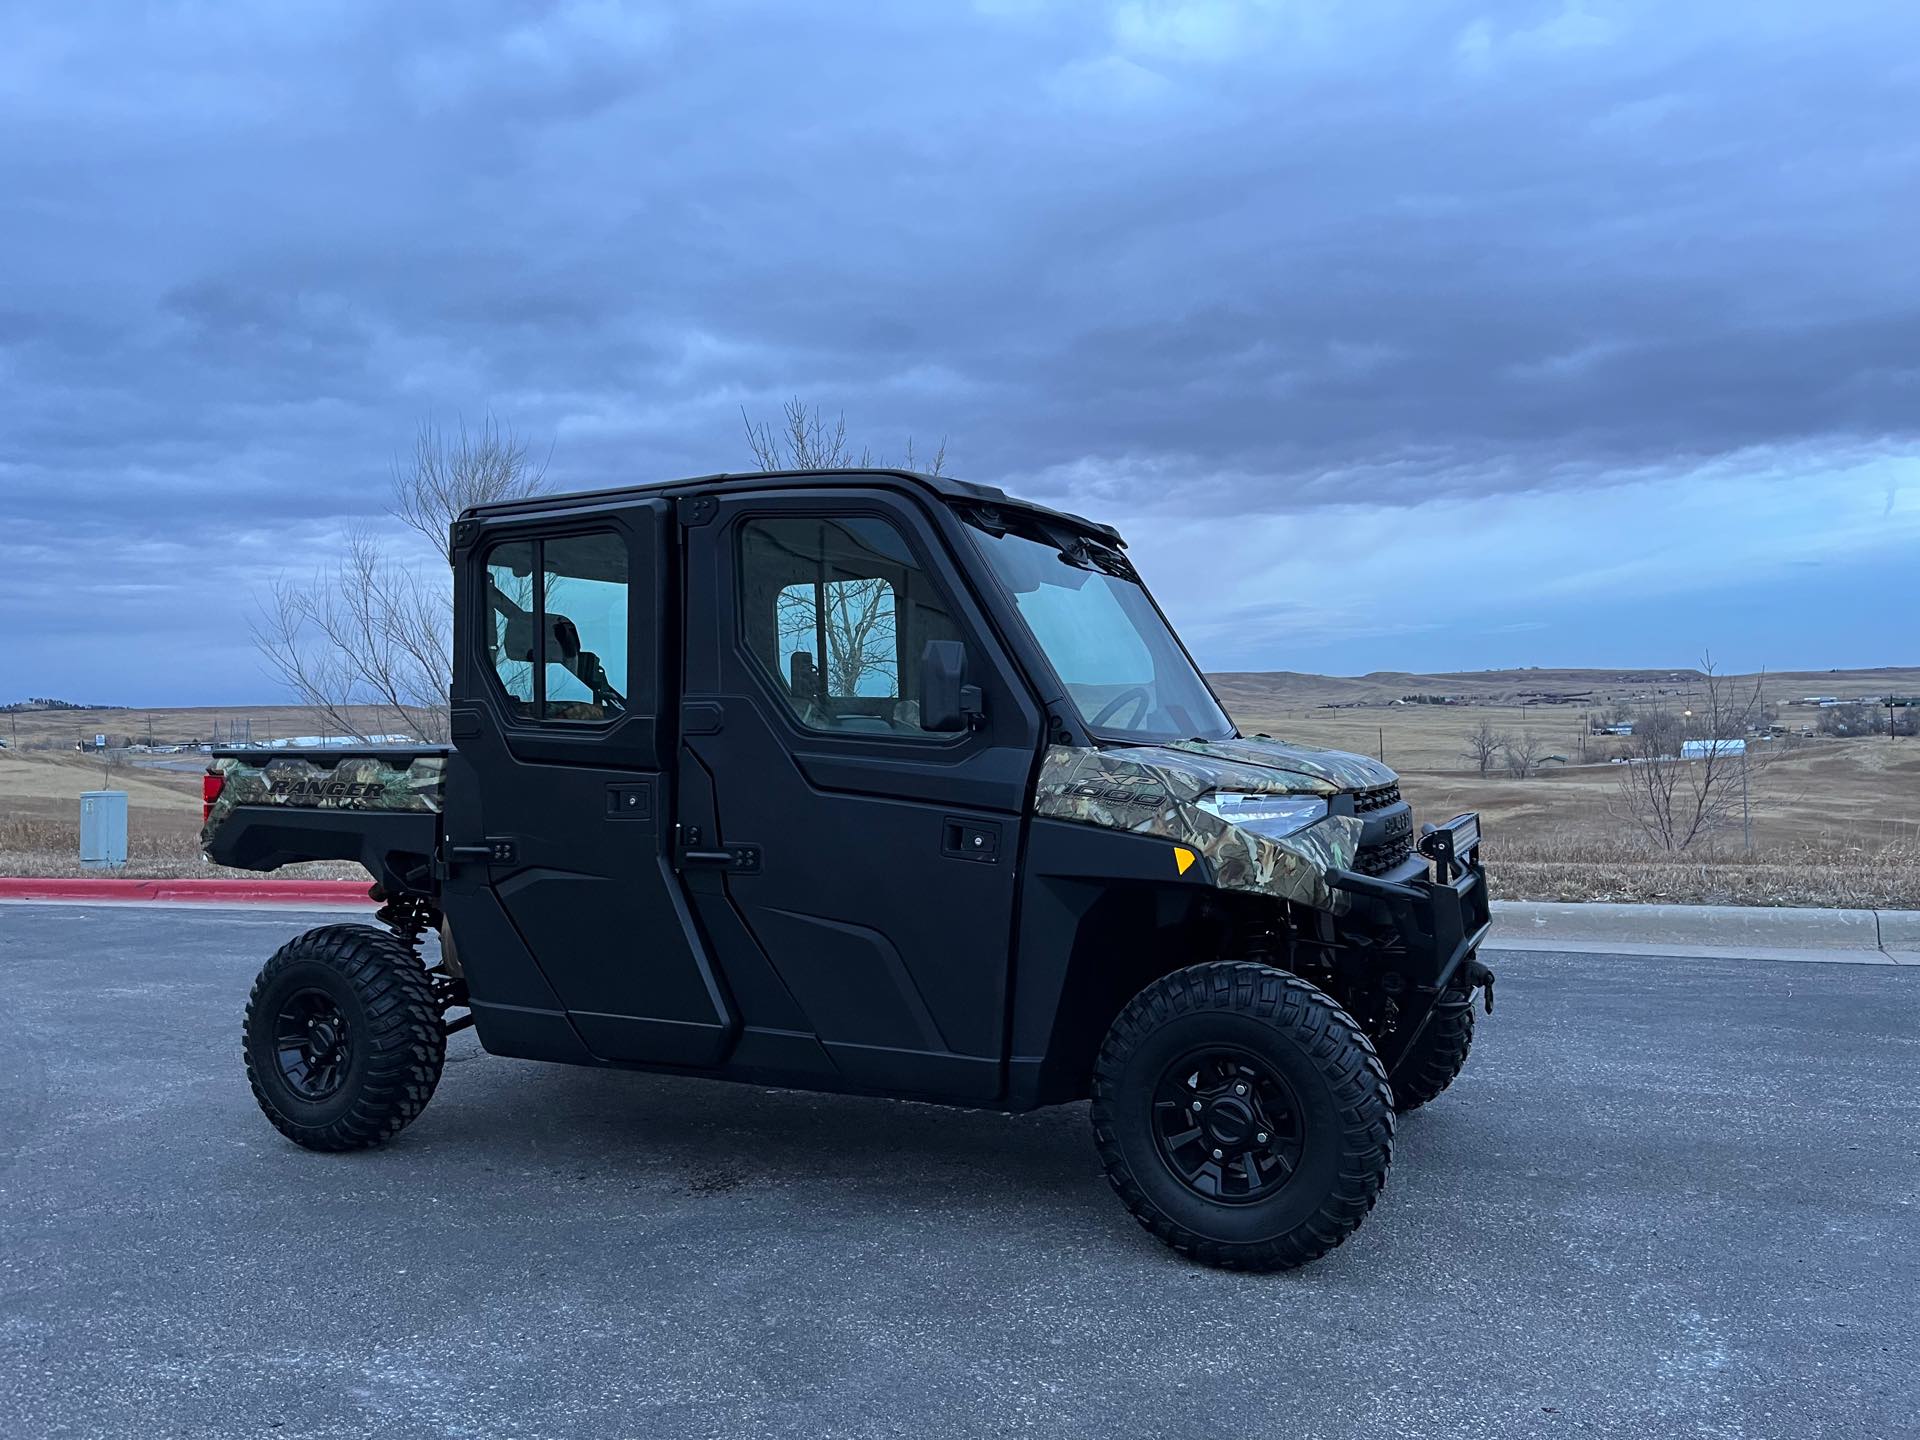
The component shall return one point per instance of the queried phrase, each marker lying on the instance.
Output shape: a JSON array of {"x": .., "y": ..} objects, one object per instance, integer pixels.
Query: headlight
[{"x": 1274, "y": 816}]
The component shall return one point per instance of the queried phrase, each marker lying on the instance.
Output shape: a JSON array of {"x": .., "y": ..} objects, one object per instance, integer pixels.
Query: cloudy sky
[{"x": 1423, "y": 335}]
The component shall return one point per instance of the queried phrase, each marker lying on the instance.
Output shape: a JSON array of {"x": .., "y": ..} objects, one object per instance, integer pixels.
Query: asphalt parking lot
[{"x": 1668, "y": 1198}]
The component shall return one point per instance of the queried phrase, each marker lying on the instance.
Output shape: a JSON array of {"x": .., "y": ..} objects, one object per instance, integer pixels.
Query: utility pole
[
  {"x": 1746, "y": 807},
  {"x": 1383, "y": 744}
]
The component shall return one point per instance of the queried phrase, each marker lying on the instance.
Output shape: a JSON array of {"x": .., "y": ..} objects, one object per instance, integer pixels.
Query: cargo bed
[{"x": 378, "y": 805}]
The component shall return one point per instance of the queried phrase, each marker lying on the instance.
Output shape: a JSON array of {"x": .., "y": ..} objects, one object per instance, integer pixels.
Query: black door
[
  {"x": 566, "y": 912},
  {"x": 854, "y": 871}
]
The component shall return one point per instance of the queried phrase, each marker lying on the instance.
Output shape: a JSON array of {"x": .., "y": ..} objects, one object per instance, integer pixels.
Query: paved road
[{"x": 1669, "y": 1198}]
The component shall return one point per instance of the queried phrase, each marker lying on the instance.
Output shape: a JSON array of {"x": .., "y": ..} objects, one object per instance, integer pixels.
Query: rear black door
[
  {"x": 566, "y": 911},
  {"x": 855, "y": 873}
]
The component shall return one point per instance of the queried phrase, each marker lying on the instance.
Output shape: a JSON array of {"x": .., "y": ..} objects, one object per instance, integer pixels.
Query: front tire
[
  {"x": 343, "y": 1039},
  {"x": 1242, "y": 1116},
  {"x": 1437, "y": 1055}
]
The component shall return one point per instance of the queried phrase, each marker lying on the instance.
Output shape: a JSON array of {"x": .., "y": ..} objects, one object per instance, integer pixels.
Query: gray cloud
[{"x": 1263, "y": 258}]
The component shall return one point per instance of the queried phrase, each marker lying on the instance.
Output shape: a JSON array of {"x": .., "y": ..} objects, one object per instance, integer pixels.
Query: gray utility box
[{"x": 103, "y": 827}]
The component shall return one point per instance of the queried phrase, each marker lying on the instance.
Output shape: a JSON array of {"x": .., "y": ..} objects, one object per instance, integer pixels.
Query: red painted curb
[{"x": 211, "y": 891}]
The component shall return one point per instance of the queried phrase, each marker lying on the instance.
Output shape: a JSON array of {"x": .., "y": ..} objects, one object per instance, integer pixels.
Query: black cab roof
[{"x": 944, "y": 487}]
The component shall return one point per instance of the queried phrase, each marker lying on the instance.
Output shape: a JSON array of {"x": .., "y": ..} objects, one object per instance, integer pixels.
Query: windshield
[{"x": 1122, "y": 666}]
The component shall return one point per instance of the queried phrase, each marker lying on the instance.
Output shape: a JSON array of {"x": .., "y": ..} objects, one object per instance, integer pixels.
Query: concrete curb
[
  {"x": 1861, "y": 937},
  {"x": 1900, "y": 934},
  {"x": 1716, "y": 932},
  {"x": 96, "y": 889}
]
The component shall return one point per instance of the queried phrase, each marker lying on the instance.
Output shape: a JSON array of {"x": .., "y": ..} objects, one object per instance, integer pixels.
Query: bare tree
[
  {"x": 1483, "y": 746},
  {"x": 445, "y": 475},
  {"x": 804, "y": 441},
  {"x": 856, "y": 619},
  {"x": 1658, "y": 731},
  {"x": 1522, "y": 752},
  {"x": 367, "y": 643},
  {"x": 861, "y": 635},
  {"x": 363, "y": 643},
  {"x": 1857, "y": 717},
  {"x": 1678, "y": 793}
]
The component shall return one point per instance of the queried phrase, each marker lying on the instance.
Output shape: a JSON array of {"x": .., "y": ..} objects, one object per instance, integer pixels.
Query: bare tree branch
[
  {"x": 1688, "y": 776},
  {"x": 445, "y": 476},
  {"x": 805, "y": 441},
  {"x": 368, "y": 642}
]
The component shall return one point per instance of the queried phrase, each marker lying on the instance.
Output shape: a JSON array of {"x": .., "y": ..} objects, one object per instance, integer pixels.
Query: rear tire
[
  {"x": 1437, "y": 1056},
  {"x": 343, "y": 1039},
  {"x": 1289, "y": 1103}
]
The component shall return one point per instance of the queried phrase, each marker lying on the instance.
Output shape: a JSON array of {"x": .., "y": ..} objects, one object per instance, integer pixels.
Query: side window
[
  {"x": 556, "y": 627},
  {"x": 510, "y": 641},
  {"x": 837, "y": 611}
]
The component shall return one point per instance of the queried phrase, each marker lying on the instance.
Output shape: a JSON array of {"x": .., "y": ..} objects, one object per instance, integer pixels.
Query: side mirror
[
  {"x": 517, "y": 642},
  {"x": 947, "y": 702},
  {"x": 563, "y": 638}
]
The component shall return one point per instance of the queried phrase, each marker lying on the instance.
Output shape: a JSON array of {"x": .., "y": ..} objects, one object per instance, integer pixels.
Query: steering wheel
[{"x": 1139, "y": 696}]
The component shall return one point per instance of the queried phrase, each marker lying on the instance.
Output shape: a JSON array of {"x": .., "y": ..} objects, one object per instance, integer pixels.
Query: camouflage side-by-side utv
[{"x": 883, "y": 783}]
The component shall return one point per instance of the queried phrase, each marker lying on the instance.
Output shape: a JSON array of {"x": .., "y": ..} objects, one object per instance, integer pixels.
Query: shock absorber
[
  {"x": 410, "y": 916},
  {"x": 406, "y": 915}
]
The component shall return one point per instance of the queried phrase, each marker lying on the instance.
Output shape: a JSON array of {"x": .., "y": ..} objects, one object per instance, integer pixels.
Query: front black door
[
  {"x": 566, "y": 912},
  {"x": 860, "y": 869}
]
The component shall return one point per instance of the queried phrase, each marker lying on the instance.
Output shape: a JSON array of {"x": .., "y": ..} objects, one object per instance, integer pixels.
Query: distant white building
[{"x": 1706, "y": 749}]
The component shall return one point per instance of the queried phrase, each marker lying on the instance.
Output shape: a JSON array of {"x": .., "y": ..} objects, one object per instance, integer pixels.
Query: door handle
[
  {"x": 970, "y": 840},
  {"x": 741, "y": 859},
  {"x": 494, "y": 852}
]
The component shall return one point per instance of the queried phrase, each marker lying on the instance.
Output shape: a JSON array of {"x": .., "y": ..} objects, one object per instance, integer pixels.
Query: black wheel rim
[
  {"x": 313, "y": 1044},
  {"x": 1228, "y": 1125}
]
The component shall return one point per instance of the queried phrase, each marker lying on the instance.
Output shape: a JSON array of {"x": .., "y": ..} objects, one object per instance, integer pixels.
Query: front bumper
[{"x": 1440, "y": 918}]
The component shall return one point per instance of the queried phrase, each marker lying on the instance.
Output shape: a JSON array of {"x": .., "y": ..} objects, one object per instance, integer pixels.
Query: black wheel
[
  {"x": 343, "y": 1038},
  {"x": 1437, "y": 1054},
  {"x": 1242, "y": 1116}
]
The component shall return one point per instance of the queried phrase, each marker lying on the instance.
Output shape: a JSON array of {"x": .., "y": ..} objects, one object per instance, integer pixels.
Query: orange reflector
[{"x": 1183, "y": 858}]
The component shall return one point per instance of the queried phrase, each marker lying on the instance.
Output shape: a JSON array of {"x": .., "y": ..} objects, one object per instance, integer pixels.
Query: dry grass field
[
  {"x": 42, "y": 777},
  {"x": 1836, "y": 821}
]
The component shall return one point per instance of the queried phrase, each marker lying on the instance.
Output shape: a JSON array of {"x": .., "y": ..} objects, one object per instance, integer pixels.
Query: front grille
[
  {"x": 1379, "y": 859},
  {"x": 1369, "y": 800}
]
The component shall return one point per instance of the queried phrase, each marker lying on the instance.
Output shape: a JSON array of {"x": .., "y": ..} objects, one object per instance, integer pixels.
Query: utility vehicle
[{"x": 876, "y": 782}]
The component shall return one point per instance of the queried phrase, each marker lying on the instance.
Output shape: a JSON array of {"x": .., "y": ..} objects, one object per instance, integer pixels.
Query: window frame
[
  {"x": 538, "y": 541},
  {"x": 776, "y": 688}
]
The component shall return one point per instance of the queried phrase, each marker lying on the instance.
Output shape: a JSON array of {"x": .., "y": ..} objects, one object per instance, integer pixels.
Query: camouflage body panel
[
  {"x": 1334, "y": 768},
  {"x": 353, "y": 782},
  {"x": 1155, "y": 790}
]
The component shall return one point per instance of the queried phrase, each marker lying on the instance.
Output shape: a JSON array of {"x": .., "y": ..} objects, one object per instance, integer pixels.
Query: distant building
[{"x": 1706, "y": 749}]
